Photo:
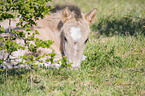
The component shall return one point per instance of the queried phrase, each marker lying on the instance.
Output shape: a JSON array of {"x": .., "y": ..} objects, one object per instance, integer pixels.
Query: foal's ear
[
  {"x": 66, "y": 15},
  {"x": 90, "y": 16}
]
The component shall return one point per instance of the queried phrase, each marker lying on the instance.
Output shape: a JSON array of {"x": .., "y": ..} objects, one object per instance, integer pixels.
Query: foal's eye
[
  {"x": 86, "y": 40},
  {"x": 65, "y": 39}
]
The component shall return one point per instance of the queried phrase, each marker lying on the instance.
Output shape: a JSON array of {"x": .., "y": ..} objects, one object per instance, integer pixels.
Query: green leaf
[
  {"x": 36, "y": 32},
  {"x": 25, "y": 57},
  {"x": 28, "y": 29}
]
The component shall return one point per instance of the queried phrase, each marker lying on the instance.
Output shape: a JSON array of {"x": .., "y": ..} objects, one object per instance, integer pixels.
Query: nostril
[{"x": 75, "y": 42}]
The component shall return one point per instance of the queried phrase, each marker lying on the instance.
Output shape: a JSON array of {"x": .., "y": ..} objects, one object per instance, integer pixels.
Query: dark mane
[{"x": 72, "y": 8}]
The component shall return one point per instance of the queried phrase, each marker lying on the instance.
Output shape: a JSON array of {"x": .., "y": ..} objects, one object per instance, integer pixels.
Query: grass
[{"x": 115, "y": 63}]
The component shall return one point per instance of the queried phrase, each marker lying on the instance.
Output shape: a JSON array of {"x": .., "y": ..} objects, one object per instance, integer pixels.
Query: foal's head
[{"x": 75, "y": 33}]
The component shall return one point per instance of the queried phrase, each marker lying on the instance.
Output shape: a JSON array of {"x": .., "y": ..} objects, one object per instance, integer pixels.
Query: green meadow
[{"x": 115, "y": 63}]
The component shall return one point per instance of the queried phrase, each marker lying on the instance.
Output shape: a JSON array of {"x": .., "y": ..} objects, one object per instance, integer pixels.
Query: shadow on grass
[
  {"x": 12, "y": 73},
  {"x": 20, "y": 73},
  {"x": 128, "y": 25}
]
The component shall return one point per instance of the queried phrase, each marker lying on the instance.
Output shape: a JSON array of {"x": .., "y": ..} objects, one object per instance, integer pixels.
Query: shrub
[{"x": 28, "y": 12}]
